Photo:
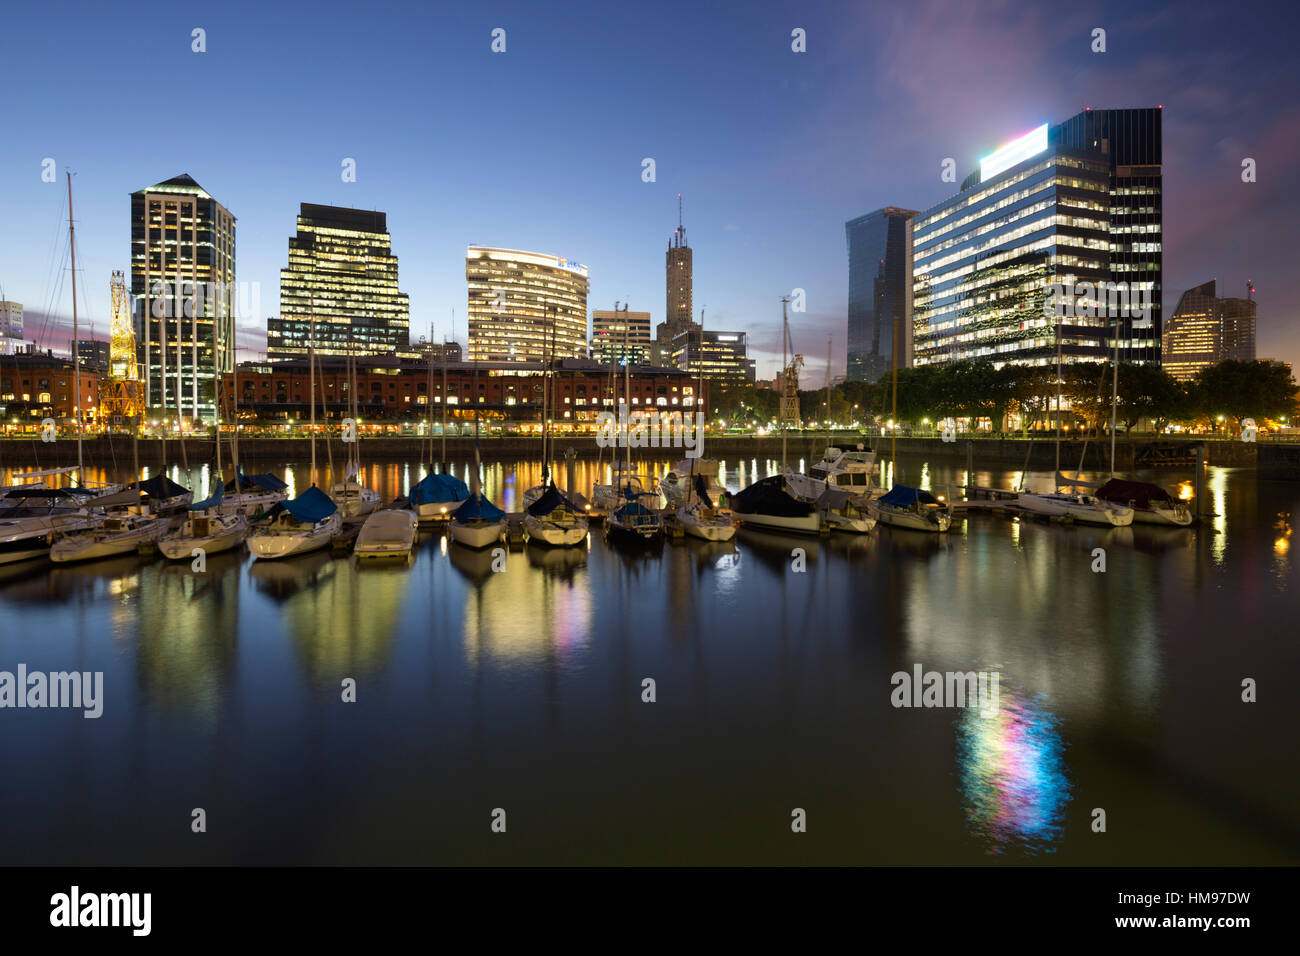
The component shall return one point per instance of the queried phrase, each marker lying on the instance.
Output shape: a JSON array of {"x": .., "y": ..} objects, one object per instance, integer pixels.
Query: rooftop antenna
[{"x": 1250, "y": 291}]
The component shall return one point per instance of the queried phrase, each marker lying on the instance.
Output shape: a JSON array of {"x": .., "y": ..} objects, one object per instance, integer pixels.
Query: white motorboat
[
  {"x": 477, "y": 523},
  {"x": 844, "y": 469},
  {"x": 354, "y": 499},
  {"x": 768, "y": 503},
  {"x": 389, "y": 533},
  {"x": 1085, "y": 509},
  {"x": 298, "y": 526},
  {"x": 113, "y": 536},
  {"x": 32, "y": 517},
  {"x": 551, "y": 518},
  {"x": 206, "y": 529},
  {"x": 435, "y": 496},
  {"x": 682, "y": 480},
  {"x": 910, "y": 508}
]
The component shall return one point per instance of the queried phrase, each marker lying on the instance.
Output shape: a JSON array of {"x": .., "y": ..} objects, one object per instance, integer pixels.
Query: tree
[{"x": 1243, "y": 390}]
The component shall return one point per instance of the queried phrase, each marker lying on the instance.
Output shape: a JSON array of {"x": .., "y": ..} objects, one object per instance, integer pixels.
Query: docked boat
[
  {"x": 353, "y": 498},
  {"x": 842, "y": 510},
  {"x": 844, "y": 469},
  {"x": 683, "y": 479},
  {"x": 910, "y": 508},
  {"x": 387, "y": 534},
  {"x": 634, "y": 519},
  {"x": 206, "y": 529},
  {"x": 768, "y": 503},
  {"x": 253, "y": 495},
  {"x": 608, "y": 498},
  {"x": 700, "y": 518},
  {"x": 113, "y": 536},
  {"x": 436, "y": 495},
  {"x": 298, "y": 526},
  {"x": 32, "y": 517},
  {"x": 159, "y": 494},
  {"x": 555, "y": 520},
  {"x": 477, "y": 523},
  {"x": 1150, "y": 503},
  {"x": 1085, "y": 509}
]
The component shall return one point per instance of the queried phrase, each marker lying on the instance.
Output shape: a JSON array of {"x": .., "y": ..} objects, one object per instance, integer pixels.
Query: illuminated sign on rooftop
[{"x": 1016, "y": 151}]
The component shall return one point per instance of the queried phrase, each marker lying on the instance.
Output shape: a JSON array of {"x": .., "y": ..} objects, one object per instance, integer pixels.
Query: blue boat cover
[
  {"x": 207, "y": 503},
  {"x": 266, "y": 482},
  {"x": 309, "y": 507},
  {"x": 549, "y": 501},
  {"x": 438, "y": 487},
  {"x": 903, "y": 497},
  {"x": 477, "y": 508}
]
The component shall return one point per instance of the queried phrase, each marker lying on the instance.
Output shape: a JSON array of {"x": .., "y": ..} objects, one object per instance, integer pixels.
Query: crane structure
[{"x": 121, "y": 391}]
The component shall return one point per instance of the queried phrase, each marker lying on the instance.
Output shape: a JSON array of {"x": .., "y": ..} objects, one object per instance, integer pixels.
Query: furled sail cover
[
  {"x": 159, "y": 486},
  {"x": 207, "y": 503},
  {"x": 477, "y": 508},
  {"x": 309, "y": 507},
  {"x": 549, "y": 501},
  {"x": 434, "y": 488},
  {"x": 902, "y": 496},
  {"x": 702, "y": 491},
  {"x": 768, "y": 496},
  {"x": 251, "y": 483},
  {"x": 1138, "y": 492}
]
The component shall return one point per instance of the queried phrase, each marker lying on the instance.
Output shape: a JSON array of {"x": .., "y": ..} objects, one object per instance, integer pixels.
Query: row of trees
[{"x": 1229, "y": 392}]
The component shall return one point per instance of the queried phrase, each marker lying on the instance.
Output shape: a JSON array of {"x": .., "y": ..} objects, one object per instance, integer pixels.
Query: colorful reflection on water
[{"x": 1014, "y": 780}]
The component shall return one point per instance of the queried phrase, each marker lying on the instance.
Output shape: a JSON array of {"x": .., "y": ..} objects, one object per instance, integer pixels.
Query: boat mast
[
  {"x": 785, "y": 375},
  {"x": 76, "y": 352},
  {"x": 1114, "y": 399},
  {"x": 627, "y": 394},
  {"x": 829, "y": 438},
  {"x": 311, "y": 385},
  {"x": 444, "y": 390},
  {"x": 1059, "y": 381}
]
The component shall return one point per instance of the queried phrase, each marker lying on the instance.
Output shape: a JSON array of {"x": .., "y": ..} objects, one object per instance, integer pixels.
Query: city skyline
[{"x": 839, "y": 132}]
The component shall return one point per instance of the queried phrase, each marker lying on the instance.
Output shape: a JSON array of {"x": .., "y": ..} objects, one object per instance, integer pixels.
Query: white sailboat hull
[
  {"x": 93, "y": 545},
  {"x": 556, "y": 534},
  {"x": 181, "y": 546},
  {"x": 906, "y": 518},
  {"x": 477, "y": 534},
  {"x": 804, "y": 524},
  {"x": 852, "y": 524},
  {"x": 706, "y": 528},
  {"x": 276, "y": 543},
  {"x": 1081, "y": 508}
]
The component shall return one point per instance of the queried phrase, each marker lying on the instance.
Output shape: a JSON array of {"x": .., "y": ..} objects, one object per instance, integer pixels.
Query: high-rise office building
[
  {"x": 719, "y": 355},
  {"x": 620, "y": 336},
  {"x": 94, "y": 354},
  {"x": 525, "y": 306},
  {"x": 1131, "y": 142},
  {"x": 11, "y": 326},
  {"x": 341, "y": 281},
  {"x": 880, "y": 293},
  {"x": 183, "y": 294},
  {"x": 679, "y": 279},
  {"x": 1205, "y": 330}
]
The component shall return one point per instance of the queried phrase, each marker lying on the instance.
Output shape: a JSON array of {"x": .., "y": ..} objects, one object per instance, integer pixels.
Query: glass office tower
[
  {"x": 880, "y": 292},
  {"x": 525, "y": 306}
]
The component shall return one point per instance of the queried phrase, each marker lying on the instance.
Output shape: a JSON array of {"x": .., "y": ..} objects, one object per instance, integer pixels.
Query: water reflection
[{"x": 1014, "y": 781}]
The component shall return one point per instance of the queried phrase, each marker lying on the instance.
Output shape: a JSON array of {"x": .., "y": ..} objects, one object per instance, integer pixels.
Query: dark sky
[{"x": 541, "y": 147}]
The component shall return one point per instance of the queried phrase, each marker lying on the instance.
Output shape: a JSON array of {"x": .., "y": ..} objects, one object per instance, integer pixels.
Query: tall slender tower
[{"x": 679, "y": 274}]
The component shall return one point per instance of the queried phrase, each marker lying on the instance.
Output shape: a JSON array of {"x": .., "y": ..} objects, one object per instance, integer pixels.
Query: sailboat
[
  {"x": 31, "y": 518},
  {"x": 606, "y": 499},
  {"x": 115, "y": 535},
  {"x": 206, "y": 529},
  {"x": 436, "y": 495},
  {"x": 308, "y": 522},
  {"x": 701, "y": 518},
  {"x": 477, "y": 522},
  {"x": 550, "y": 517},
  {"x": 911, "y": 508},
  {"x": 352, "y": 497}
]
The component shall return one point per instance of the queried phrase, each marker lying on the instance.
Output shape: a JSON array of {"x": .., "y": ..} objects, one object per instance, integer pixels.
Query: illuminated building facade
[
  {"x": 341, "y": 281},
  {"x": 721, "y": 356},
  {"x": 1205, "y": 330},
  {"x": 183, "y": 296},
  {"x": 619, "y": 336},
  {"x": 525, "y": 306},
  {"x": 11, "y": 326},
  {"x": 880, "y": 293},
  {"x": 679, "y": 279}
]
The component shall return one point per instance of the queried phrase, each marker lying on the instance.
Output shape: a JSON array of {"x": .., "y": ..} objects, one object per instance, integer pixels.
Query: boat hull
[
  {"x": 909, "y": 520},
  {"x": 706, "y": 529},
  {"x": 275, "y": 545},
  {"x": 477, "y": 535},
  {"x": 801, "y": 524},
  {"x": 386, "y": 535},
  {"x": 555, "y": 534},
  {"x": 178, "y": 548},
  {"x": 78, "y": 548}
]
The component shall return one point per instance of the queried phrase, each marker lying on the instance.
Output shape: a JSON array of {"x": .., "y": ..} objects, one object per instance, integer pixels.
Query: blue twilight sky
[{"x": 541, "y": 147}]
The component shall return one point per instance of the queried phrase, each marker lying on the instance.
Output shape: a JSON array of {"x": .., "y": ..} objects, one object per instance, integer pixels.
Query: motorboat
[
  {"x": 112, "y": 536},
  {"x": 32, "y": 517},
  {"x": 206, "y": 529},
  {"x": 555, "y": 520},
  {"x": 1150, "y": 503},
  {"x": 387, "y": 534},
  {"x": 769, "y": 503},
  {"x": 842, "y": 510},
  {"x": 1085, "y": 509},
  {"x": 353, "y": 498},
  {"x": 299, "y": 525},
  {"x": 910, "y": 508},
  {"x": 435, "y": 496},
  {"x": 681, "y": 480},
  {"x": 845, "y": 469},
  {"x": 477, "y": 523}
]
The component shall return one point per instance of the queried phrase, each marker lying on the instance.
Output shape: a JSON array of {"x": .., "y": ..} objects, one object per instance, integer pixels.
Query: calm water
[{"x": 521, "y": 690}]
